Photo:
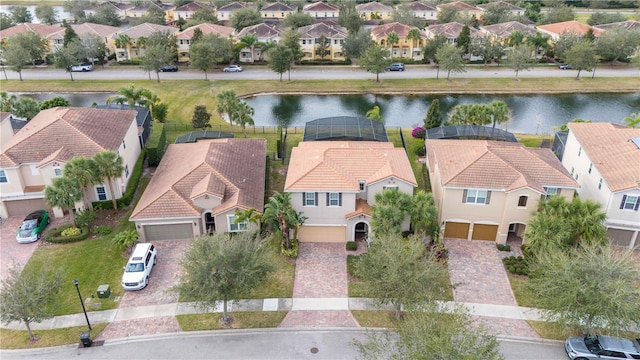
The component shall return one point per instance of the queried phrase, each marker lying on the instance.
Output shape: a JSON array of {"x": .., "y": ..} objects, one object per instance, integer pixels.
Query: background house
[
  {"x": 374, "y": 11},
  {"x": 199, "y": 186},
  {"x": 187, "y": 10},
  {"x": 567, "y": 27},
  {"x": 334, "y": 184},
  {"x": 277, "y": 10},
  {"x": 132, "y": 49},
  {"x": 225, "y": 12},
  {"x": 406, "y": 47},
  {"x": 604, "y": 159},
  {"x": 322, "y": 10},
  {"x": 264, "y": 33},
  {"x": 311, "y": 38},
  {"x": 184, "y": 37},
  {"x": 488, "y": 190}
]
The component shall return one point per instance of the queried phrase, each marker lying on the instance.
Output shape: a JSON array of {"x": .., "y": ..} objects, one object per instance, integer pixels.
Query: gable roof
[
  {"x": 206, "y": 28},
  {"x": 261, "y": 30},
  {"x": 462, "y": 6},
  {"x": 572, "y": 26},
  {"x": 496, "y": 165},
  {"x": 401, "y": 29},
  {"x": 278, "y": 6},
  {"x": 147, "y": 29},
  {"x": 77, "y": 131},
  {"x": 194, "y": 6},
  {"x": 373, "y": 6},
  {"x": 145, "y": 6},
  {"x": 40, "y": 29},
  {"x": 233, "y": 169},
  {"x": 626, "y": 25},
  {"x": 116, "y": 5},
  {"x": 611, "y": 151},
  {"x": 499, "y": 4},
  {"x": 323, "y": 29},
  {"x": 451, "y": 30},
  {"x": 340, "y": 165},
  {"x": 418, "y": 6},
  {"x": 97, "y": 29},
  {"x": 320, "y": 6},
  {"x": 503, "y": 30},
  {"x": 233, "y": 6}
]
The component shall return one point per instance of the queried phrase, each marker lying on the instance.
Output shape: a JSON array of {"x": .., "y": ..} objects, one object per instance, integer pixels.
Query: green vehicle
[{"x": 33, "y": 226}]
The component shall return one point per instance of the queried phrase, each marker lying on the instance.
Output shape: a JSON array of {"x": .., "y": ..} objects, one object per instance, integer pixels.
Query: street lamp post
[{"x": 75, "y": 282}]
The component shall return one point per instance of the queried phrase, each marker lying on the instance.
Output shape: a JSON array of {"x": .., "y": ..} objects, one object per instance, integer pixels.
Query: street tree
[
  {"x": 401, "y": 271},
  {"x": 581, "y": 56},
  {"x": 432, "y": 46},
  {"x": 520, "y": 59},
  {"x": 243, "y": 115},
  {"x": 201, "y": 117},
  {"x": 632, "y": 121},
  {"x": 84, "y": 171},
  {"x": 291, "y": 39},
  {"x": 297, "y": 20},
  {"x": 21, "y": 15},
  {"x": 109, "y": 165},
  {"x": 46, "y": 14},
  {"x": 280, "y": 59},
  {"x": 434, "y": 117},
  {"x": 434, "y": 334},
  {"x": 155, "y": 57},
  {"x": 207, "y": 52},
  {"x": 64, "y": 193},
  {"x": 245, "y": 17},
  {"x": 592, "y": 287},
  {"x": 390, "y": 211},
  {"x": 30, "y": 296},
  {"x": 227, "y": 103},
  {"x": 349, "y": 17},
  {"x": 67, "y": 56},
  {"x": 617, "y": 44},
  {"x": 219, "y": 269},
  {"x": 449, "y": 58},
  {"x": 375, "y": 60},
  {"x": 16, "y": 56},
  {"x": 356, "y": 43}
]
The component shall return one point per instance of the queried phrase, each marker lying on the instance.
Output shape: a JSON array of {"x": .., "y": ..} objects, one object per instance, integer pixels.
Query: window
[
  {"x": 630, "y": 202},
  {"x": 57, "y": 171},
  {"x": 522, "y": 201},
  {"x": 551, "y": 191},
  {"x": 572, "y": 170},
  {"x": 126, "y": 171},
  {"x": 3, "y": 177},
  {"x": 579, "y": 151},
  {"x": 233, "y": 227},
  {"x": 310, "y": 199},
  {"x": 590, "y": 167},
  {"x": 600, "y": 184},
  {"x": 476, "y": 196},
  {"x": 101, "y": 192},
  {"x": 334, "y": 199},
  {"x": 361, "y": 184},
  {"x": 124, "y": 146}
]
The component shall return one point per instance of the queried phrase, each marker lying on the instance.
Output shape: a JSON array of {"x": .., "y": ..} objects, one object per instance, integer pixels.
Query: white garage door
[
  {"x": 22, "y": 208},
  {"x": 168, "y": 232},
  {"x": 325, "y": 234}
]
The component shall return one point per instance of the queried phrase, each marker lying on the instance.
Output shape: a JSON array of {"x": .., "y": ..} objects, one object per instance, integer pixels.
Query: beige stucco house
[
  {"x": 334, "y": 183},
  {"x": 488, "y": 190},
  {"x": 133, "y": 49},
  {"x": 407, "y": 46},
  {"x": 311, "y": 37},
  {"x": 198, "y": 188},
  {"x": 183, "y": 38},
  {"x": 34, "y": 156},
  {"x": 277, "y": 10},
  {"x": 374, "y": 11},
  {"x": 321, "y": 10},
  {"x": 265, "y": 34}
]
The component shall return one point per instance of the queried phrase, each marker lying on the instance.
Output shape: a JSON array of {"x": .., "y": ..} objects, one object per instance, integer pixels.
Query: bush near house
[
  {"x": 516, "y": 265},
  {"x": 57, "y": 235},
  {"x": 352, "y": 245},
  {"x": 157, "y": 144},
  {"x": 125, "y": 200},
  {"x": 503, "y": 247}
]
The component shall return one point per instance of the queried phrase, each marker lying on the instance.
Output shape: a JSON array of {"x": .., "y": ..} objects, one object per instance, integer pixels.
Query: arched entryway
[
  {"x": 516, "y": 233},
  {"x": 360, "y": 231},
  {"x": 209, "y": 223}
]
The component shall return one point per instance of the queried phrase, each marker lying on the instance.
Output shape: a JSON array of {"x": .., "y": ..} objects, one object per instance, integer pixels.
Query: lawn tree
[
  {"x": 64, "y": 192},
  {"x": 201, "y": 16},
  {"x": 46, "y": 14},
  {"x": 390, "y": 212},
  {"x": 125, "y": 239},
  {"x": 357, "y": 43},
  {"x": 221, "y": 269},
  {"x": 21, "y": 15},
  {"x": 227, "y": 103},
  {"x": 374, "y": 114},
  {"x": 201, "y": 117},
  {"x": 109, "y": 165},
  {"x": 437, "y": 333},
  {"x": 16, "y": 56},
  {"x": 617, "y": 44},
  {"x": 149, "y": 100},
  {"x": 401, "y": 272},
  {"x": 128, "y": 95},
  {"x": 280, "y": 59},
  {"x": 464, "y": 40},
  {"x": 159, "y": 112},
  {"x": 557, "y": 13},
  {"x": 581, "y": 56},
  {"x": 449, "y": 58},
  {"x": 520, "y": 59},
  {"x": 67, "y": 56},
  {"x": 632, "y": 121},
  {"x": 30, "y": 296},
  {"x": 577, "y": 287},
  {"x": 54, "y": 102},
  {"x": 243, "y": 115},
  {"x": 434, "y": 117},
  {"x": 208, "y": 51},
  {"x": 375, "y": 60},
  {"x": 84, "y": 171},
  {"x": 297, "y": 20},
  {"x": 432, "y": 46},
  {"x": 280, "y": 215},
  {"x": 245, "y": 17},
  {"x": 349, "y": 17},
  {"x": 26, "y": 108}
]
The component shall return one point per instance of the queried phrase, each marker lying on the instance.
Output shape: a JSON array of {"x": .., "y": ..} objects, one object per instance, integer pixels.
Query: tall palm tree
[
  {"x": 413, "y": 36},
  {"x": 242, "y": 115},
  {"x": 424, "y": 214},
  {"x": 227, "y": 101},
  {"x": 265, "y": 47},
  {"x": 499, "y": 112},
  {"x": 588, "y": 222},
  {"x": 392, "y": 39},
  {"x": 123, "y": 41},
  {"x": 149, "y": 100},
  {"x": 109, "y": 165},
  {"x": 84, "y": 171},
  {"x": 129, "y": 95},
  {"x": 279, "y": 213},
  {"x": 249, "y": 41},
  {"x": 64, "y": 192}
]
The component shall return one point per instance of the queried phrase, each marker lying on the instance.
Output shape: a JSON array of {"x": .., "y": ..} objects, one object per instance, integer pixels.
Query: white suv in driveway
[{"x": 136, "y": 273}]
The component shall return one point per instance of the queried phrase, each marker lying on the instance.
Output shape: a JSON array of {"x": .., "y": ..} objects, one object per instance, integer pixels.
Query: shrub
[
  {"x": 56, "y": 235},
  {"x": 72, "y": 231},
  {"x": 125, "y": 239},
  {"x": 352, "y": 245},
  {"x": 125, "y": 200},
  {"x": 418, "y": 132},
  {"x": 406, "y": 233},
  {"x": 293, "y": 252},
  {"x": 157, "y": 144},
  {"x": 351, "y": 260},
  {"x": 516, "y": 265},
  {"x": 85, "y": 217},
  {"x": 503, "y": 247},
  {"x": 102, "y": 230}
]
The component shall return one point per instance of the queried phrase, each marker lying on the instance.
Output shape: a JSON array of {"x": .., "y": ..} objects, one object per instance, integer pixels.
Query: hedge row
[
  {"x": 125, "y": 200},
  {"x": 53, "y": 235},
  {"x": 325, "y": 62},
  {"x": 157, "y": 144}
]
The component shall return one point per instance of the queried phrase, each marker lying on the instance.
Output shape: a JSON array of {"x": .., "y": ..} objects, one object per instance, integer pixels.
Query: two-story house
[
  {"x": 148, "y": 7},
  {"x": 410, "y": 43},
  {"x": 46, "y": 32},
  {"x": 264, "y": 34},
  {"x": 198, "y": 188},
  {"x": 133, "y": 49},
  {"x": 106, "y": 34},
  {"x": 186, "y": 11},
  {"x": 489, "y": 190},
  {"x": 374, "y": 11},
  {"x": 604, "y": 159},
  {"x": 451, "y": 31},
  {"x": 225, "y": 12},
  {"x": 183, "y": 38},
  {"x": 121, "y": 9},
  {"x": 567, "y": 27},
  {"x": 514, "y": 10},
  {"x": 277, "y": 10},
  {"x": 33, "y": 157},
  {"x": 312, "y": 37},
  {"x": 322, "y": 10},
  {"x": 423, "y": 11},
  {"x": 334, "y": 183}
]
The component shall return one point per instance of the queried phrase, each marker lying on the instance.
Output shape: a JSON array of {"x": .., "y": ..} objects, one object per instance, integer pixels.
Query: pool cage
[
  {"x": 475, "y": 132},
  {"x": 194, "y": 136},
  {"x": 352, "y": 128}
]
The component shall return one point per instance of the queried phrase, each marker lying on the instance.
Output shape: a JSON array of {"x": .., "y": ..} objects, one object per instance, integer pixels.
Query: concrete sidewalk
[{"x": 286, "y": 304}]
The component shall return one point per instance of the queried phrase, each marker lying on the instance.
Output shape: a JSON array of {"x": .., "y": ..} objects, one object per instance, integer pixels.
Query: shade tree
[
  {"x": 449, "y": 58},
  {"x": 375, "y": 60}
]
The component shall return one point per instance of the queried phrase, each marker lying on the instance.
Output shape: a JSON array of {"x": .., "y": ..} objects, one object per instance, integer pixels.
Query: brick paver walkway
[{"x": 321, "y": 272}]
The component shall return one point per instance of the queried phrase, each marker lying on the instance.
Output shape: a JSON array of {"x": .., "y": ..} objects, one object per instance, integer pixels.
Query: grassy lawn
[
  {"x": 375, "y": 318},
  {"x": 279, "y": 282},
  {"x": 242, "y": 320},
  {"x": 524, "y": 297},
  {"x": 532, "y": 140},
  {"x": 19, "y": 339}
]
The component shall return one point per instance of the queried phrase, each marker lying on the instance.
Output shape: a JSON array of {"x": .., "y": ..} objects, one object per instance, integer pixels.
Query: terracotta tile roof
[
  {"x": 261, "y": 30},
  {"x": 116, "y": 5},
  {"x": 69, "y": 131},
  {"x": 98, "y": 29},
  {"x": 495, "y": 165},
  {"x": 320, "y": 6},
  {"x": 611, "y": 151},
  {"x": 462, "y": 6},
  {"x": 147, "y": 29},
  {"x": 40, "y": 29},
  {"x": 451, "y": 30},
  {"x": 234, "y": 6},
  {"x": 206, "y": 28},
  {"x": 500, "y": 4},
  {"x": 626, "y": 25},
  {"x": 418, "y": 6},
  {"x": 278, "y": 6},
  {"x": 145, "y": 6},
  {"x": 572, "y": 26},
  {"x": 340, "y": 165},
  {"x": 373, "y": 6},
  {"x": 504, "y": 30},
  {"x": 322, "y": 29},
  {"x": 402, "y": 30},
  {"x": 194, "y": 6},
  {"x": 362, "y": 208},
  {"x": 233, "y": 169}
]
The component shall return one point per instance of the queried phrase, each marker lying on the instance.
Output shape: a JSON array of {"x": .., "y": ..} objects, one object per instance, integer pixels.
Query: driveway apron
[
  {"x": 478, "y": 276},
  {"x": 321, "y": 273}
]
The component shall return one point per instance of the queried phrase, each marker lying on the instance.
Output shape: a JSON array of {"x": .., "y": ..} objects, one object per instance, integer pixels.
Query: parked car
[
  {"x": 138, "y": 268},
  {"x": 169, "y": 68},
  {"x": 601, "y": 347},
  {"x": 81, "y": 67},
  {"x": 232, "y": 68},
  {"x": 32, "y": 226},
  {"x": 565, "y": 67},
  {"x": 396, "y": 67}
]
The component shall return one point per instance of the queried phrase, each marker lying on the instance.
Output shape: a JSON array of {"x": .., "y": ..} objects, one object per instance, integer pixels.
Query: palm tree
[
  {"x": 251, "y": 215},
  {"x": 64, "y": 192},
  {"x": 460, "y": 114},
  {"x": 279, "y": 213},
  {"x": 150, "y": 99},
  {"x": 374, "y": 114},
  {"x": 413, "y": 35},
  {"x": 499, "y": 112},
  {"x": 123, "y": 41},
  {"x": 109, "y": 165},
  {"x": 424, "y": 214},
  {"x": 242, "y": 115},
  {"x": 632, "y": 121},
  {"x": 389, "y": 212},
  {"x": 392, "y": 39},
  {"x": 227, "y": 101},
  {"x": 83, "y": 170},
  {"x": 265, "y": 47},
  {"x": 249, "y": 41},
  {"x": 588, "y": 222},
  {"x": 129, "y": 94}
]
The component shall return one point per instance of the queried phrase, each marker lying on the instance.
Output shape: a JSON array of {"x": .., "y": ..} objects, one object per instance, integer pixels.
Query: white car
[
  {"x": 232, "y": 68},
  {"x": 136, "y": 273},
  {"x": 82, "y": 67}
]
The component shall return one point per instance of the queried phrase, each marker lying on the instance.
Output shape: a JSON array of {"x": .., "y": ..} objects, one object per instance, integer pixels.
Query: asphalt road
[
  {"x": 331, "y": 344},
  {"x": 316, "y": 73}
]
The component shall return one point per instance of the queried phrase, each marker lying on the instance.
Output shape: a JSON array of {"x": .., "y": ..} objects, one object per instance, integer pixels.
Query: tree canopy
[
  {"x": 449, "y": 58},
  {"x": 375, "y": 60},
  {"x": 245, "y": 17}
]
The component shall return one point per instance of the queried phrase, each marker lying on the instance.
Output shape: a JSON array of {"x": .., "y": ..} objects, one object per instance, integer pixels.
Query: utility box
[
  {"x": 85, "y": 339},
  {"x": 104, "y": 292}
]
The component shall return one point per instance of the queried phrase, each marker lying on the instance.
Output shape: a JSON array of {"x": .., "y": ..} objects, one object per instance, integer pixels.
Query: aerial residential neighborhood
[{"x": 461, "y": 176}]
